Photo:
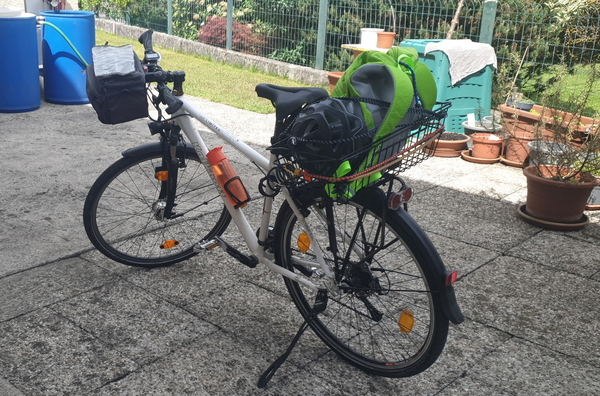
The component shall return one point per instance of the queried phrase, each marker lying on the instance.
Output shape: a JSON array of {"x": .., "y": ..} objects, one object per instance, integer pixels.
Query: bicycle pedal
[{"x": 205, "y": 245}]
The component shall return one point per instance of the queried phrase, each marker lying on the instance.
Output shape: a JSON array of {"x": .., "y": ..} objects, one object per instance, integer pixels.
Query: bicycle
[{"x": 360, "y": 270}]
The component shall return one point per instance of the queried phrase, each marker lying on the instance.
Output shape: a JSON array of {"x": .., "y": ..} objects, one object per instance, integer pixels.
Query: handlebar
[{"x": 154, "y": 73}]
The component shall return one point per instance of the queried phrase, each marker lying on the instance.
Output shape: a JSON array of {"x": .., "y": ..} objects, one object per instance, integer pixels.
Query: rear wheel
[
  {"x": 387, "y": 318},
  {"x": 122, "y": 212}
]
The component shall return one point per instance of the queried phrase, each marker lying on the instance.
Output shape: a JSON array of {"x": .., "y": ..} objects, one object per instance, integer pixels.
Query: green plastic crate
[{"x": 469, "y": 95}]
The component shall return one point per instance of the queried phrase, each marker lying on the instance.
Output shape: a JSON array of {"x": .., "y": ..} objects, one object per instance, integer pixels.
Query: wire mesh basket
[{"x": 403, "y": 148}]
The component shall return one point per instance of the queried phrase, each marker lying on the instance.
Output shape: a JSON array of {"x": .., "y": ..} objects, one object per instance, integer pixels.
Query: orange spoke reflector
[
  {"x": 162, "y": 175},
  {"x": 406, "y": 321},
  {"x": 169, "y": 244},
  {"x": 211, "y": 247},
  {"x": 303, "y": 242}
]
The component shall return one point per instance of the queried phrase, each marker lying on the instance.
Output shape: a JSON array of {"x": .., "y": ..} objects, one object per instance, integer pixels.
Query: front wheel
[
  {"x": 387, "y": 317},
  {"x": 122, "y": 213}
]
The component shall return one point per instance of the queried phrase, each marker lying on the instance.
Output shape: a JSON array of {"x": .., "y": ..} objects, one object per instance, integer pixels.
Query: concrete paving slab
[
  {"x": 230, "y": 368},
  {"x": 592, "y": 232},
  {"x": 519, "y": 367},
  {"x": 461, "y": 256},
  {"x": 188, "y": 282},
  {"x": 7, "y": 389},
  {"x": 45, "y": 353},
  {"x": 477, "y": 220},
  {"x": 536, "y": 303},
  {"x": 132, "y": 321},
  {"x": 495, "y": 181},
  {"x": 53, "y": 155},
  {"x": 30, "y": 290},
  {"x": 569, "y": 252},
  {"x": 465, "y": 347},
  {"x": 437, "y": 171},
  {"x": 258, "y": 317}
]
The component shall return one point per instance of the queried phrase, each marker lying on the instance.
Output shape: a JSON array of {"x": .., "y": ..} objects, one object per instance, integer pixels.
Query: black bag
[{"x": 118, "y": 94}]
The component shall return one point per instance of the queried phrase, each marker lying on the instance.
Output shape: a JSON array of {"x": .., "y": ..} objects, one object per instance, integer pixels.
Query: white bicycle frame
[{"x": 184, "y": 120}]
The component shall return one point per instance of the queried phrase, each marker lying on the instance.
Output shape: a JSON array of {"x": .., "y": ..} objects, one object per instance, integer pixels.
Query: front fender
[{"x": 156, "y": 148}]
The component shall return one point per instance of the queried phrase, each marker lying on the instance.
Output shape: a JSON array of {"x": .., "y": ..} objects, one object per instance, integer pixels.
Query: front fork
[{"x": 167, "y": 173}]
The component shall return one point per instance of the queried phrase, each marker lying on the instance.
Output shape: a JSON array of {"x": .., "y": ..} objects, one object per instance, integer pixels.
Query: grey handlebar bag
[{"x": 116, "y": 84}]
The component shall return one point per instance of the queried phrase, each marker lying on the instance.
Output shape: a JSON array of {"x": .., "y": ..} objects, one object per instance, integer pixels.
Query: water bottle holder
[{"x": 238, "y": 202}]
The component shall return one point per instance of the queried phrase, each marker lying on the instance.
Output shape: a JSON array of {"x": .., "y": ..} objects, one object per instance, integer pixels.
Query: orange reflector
[
  {"x": 169, "y": 244},
  {"x": 162, "y": 175},
  {"x": 406, "y": 321},
  {"x": 303, "y": 242},
  {"x": 450, "y": 277}
]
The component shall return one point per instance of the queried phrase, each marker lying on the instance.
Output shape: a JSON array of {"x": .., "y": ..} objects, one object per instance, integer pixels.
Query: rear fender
[{"x": 428, "y": 253}]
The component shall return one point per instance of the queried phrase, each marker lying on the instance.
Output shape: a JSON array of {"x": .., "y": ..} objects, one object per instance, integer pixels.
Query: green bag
[{"x": 396, "y": 77}]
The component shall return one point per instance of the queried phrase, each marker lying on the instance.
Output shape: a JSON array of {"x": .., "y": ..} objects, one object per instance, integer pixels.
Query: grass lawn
[
  {"x": 572, "y": 85},
  {"x": 218, "y": 82},
  {"x": 577, "y": 83}
]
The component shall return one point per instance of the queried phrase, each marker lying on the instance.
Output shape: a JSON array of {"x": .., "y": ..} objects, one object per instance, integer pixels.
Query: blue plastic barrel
[
  {"x": 20, "y": 87},
  {"x": 64, "y": 77}
]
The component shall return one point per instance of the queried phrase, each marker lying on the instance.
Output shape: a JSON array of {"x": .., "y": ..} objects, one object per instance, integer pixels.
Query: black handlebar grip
[{"x": 146, "y": 40}]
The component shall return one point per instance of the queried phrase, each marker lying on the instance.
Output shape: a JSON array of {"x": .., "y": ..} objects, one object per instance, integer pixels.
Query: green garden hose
[{"x": 67, "y": 40}]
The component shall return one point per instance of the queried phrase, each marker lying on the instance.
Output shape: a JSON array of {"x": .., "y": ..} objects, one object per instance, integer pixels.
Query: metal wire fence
[{"x": 531, "y": 35}]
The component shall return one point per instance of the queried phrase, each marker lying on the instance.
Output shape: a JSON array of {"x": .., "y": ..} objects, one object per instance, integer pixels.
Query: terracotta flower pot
[
  {"x": 449, "y": 144},
  {"x": 385, "y": 39},
  {"x": 555, "y": 201},
  {"x": 333, "y": 78},
  {"x": 486, "y": 145},
  {"x": 542, "y": 120},
  {"x": 517, "y": 150}
]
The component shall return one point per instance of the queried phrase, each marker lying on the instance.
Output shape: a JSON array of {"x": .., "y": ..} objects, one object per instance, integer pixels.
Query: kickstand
[{"x": 320, "y": 305}]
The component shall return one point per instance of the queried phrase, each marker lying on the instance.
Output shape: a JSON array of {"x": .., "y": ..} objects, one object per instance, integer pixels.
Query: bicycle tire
[
  {"x": 120, "y": 221},
  {"x": 406, "y": 281}
]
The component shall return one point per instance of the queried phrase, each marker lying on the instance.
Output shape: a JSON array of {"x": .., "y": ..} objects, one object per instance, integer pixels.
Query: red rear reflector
[
  {"x": 396, "y": 199},
  {"x": 450, "y": 277}
]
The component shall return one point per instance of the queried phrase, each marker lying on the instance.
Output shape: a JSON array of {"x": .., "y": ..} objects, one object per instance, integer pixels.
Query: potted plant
[
  {"x": 542, "y": 119},
  {"x": 519, "y": 101},
  {"x": 563, "y": 161},
  {"x": 516, "y": 151},
  {"x": 449, "y": 144},
  {"x": 486, "y": 148},
  {"x": 486, "y": 142}
]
